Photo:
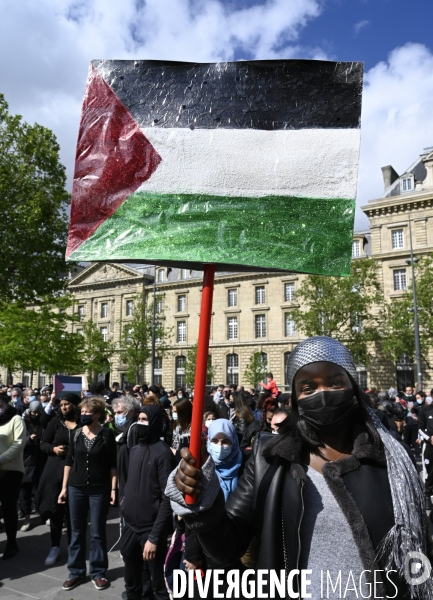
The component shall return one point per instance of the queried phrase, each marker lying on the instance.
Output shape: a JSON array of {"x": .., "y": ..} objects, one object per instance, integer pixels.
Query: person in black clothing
[
  {"x": 125, "y": 415},
  {"x": 425, "y": 423},
  {"x": 113, "y": 393},
  {"x": 55, "y": 442},
  {"x": 33, "y": 461},
  {"x": 226, "y": 406},
  {"x": 146, "y": 510},
  {"x": 90, "y": 483}
]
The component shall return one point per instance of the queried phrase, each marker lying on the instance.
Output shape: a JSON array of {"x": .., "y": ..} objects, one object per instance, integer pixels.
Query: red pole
[{"x": 201, "y": 367}]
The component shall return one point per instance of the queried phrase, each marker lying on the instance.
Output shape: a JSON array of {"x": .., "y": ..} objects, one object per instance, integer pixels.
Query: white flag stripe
[{"x": 313, "y": 163}]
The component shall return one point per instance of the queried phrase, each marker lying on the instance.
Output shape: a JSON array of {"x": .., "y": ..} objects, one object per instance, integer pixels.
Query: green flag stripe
[{"x": 311, "y": 235}]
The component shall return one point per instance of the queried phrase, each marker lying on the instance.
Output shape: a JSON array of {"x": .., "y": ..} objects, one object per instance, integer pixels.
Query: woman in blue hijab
[{"x": 223, "y": 446}]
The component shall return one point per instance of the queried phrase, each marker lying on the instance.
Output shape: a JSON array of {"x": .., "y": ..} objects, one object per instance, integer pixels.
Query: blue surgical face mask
[
  {"x": 86, "y": 419},
  {"x": 419, "y": 401},
  {"x": 174, "y": 415},
  {"x": 220, "y": 452},
  {"x": 120, "y": 420},
  {"x": 32, "y": 398}
]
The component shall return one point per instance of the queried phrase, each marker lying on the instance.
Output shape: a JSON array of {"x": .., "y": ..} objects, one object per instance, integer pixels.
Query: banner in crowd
[{"x": 250, "y": 165}]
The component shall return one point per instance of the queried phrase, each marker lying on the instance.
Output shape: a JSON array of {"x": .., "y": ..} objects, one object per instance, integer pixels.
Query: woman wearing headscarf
[
  {"x": 33, "y": 459},
  {"x": 223, "y": 446},
  {"x": 331, "y": 493},
  {"x": 145, "y": 509},
  {"x": 55, "y": 443},
  {"x": 12, "y": 441}
]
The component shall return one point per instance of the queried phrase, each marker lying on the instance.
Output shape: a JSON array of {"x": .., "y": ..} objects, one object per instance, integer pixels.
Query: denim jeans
[{"x": 95, "y": 500}]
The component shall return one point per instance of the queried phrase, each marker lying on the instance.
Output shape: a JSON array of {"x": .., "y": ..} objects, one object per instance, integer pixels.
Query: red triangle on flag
[{"x": 113, "y": 159}]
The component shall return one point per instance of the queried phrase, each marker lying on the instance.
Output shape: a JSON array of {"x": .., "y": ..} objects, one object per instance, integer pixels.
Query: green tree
[
  {"x": 256, "y": 369},
  {"x": 36, "y": 338},
  {"x": 190, "y": 364},
  {"x": 136, "y": 337},
  {"x": 32, "y": 211},
  {"x": 96, "y": 352},
  {"x": 397, "y": 318},
  {"x": 344, "y": 308}
]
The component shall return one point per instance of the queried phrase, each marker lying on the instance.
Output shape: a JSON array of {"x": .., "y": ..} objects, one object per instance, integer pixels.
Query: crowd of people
[{"x": 69, "y": 457}]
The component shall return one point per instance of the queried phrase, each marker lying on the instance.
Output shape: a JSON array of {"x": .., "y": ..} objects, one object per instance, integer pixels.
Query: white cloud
[
  {"x": 48, "y": 45},
  {"x": 397, "y": 120},
  {"x": 360, "y": 25}
]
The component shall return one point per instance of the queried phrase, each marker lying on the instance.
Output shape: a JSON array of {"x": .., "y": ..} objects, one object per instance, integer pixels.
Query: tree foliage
[
  {"x": 36, "y": 338},
  {"x": 33, "y": 203},
  {"x": 96, "y": 352},
  {"x": 256, "y": 369},
  {"x": 397, "y": 317},
  {"x": 342, "y": 307},
  {"x": 136, "y": 337},
  {"x": 190, "y": 364}
]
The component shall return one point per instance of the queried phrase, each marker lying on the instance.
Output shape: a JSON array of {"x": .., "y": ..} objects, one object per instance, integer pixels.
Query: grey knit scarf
[{"x": 408, "y": 535}]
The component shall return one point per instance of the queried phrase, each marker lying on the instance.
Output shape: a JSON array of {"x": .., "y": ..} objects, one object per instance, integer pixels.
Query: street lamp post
[
  {"x": 415, "y": 311},
  {"x": 152, "y": 367}
]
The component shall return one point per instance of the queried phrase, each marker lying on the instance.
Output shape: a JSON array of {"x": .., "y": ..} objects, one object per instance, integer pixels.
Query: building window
[
  {"x": 81, "y": 312},
  {"x": 260, "y": 326},
  {"x": 289, "y": 326},
  {"x": 180, "y": 372},
  {"x": 157, "y": 373},
  {"x": 399, "y": 279},
  {"x": 26, "y": 379},
  {"x": 183, "y": 273},
  {"x": 181, "y": 303},
  {"x": 209, "y": 362},
  {"x": 158, "y": 306},
  {"x": 397, "y": 238},
  {"x": 264, "y": 360},
  {"x": 161, "y": 275},
  {"x": 42, "y": 380},
  {"x": 232, "y": 328},
  {"x": 128, "y": 334},
  {"x": 356, "y": 323},
  {"x": 289, "y": 292},
  {"x": 260, "y": 294},
  {"x": 232, "y": 369},
  {"x": 129, "y": 308},
  {"x": 232, "y": 299},
  {"x": 362, "y": 379},
  {"x": 181, "y": 331},
  {"x": 406, "y": 184},
  {"x": 104, "y": 333},
  {"x": 80, "y": 332},
  {"x": 356, "y": 248},
  {"x": 104, "y": 310}
]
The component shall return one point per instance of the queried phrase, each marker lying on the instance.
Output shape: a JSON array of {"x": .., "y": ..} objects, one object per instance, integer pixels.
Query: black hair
[{"x": 155, "y": 390}]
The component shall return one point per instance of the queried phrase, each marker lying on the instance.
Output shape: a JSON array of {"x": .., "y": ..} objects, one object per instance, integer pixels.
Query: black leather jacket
[{"x": 268, "y": 503}]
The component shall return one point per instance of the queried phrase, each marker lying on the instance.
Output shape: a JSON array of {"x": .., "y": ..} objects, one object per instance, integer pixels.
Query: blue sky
[{"x": 46, "y": 47}]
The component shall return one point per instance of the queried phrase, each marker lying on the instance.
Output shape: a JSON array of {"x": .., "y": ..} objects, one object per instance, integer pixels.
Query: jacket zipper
[{"x": 286, "y": 560}]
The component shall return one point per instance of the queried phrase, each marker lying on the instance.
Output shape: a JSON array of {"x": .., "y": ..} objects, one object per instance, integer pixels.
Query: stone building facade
[{"x": 251, "y": 312}]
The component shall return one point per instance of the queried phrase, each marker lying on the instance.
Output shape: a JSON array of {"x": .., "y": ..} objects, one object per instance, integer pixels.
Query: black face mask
[
  {"x": 328, "y": 412},
  {"x": 70, "y": 415}
]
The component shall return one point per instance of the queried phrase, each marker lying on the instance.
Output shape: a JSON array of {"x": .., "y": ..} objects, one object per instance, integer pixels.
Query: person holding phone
[{"x": 55, "y": 442}]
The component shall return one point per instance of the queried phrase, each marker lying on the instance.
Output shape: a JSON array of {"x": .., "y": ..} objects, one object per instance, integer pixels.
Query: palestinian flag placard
[{"x": 249, "y": 165}]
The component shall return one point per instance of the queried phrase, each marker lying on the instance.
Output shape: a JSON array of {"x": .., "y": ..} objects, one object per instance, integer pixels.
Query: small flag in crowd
[
  {"x": 64, "y": 383},
  {"x": 250, "y": 165}
]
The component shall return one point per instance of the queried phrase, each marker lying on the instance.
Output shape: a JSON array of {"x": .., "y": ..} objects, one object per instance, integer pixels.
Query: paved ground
[{"x": 26, "y": 577}]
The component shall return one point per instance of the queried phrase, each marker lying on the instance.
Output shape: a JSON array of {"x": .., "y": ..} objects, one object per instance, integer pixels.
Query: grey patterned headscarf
[{"x": 408, "y": 535}]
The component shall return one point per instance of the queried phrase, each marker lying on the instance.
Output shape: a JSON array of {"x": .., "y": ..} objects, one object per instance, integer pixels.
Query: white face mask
[
  {"x": 274, "y": 432},
  {"x": 174, "y": 416},
  {"x": 208, "y": 423},
  {"x": 142, "y": 422}
]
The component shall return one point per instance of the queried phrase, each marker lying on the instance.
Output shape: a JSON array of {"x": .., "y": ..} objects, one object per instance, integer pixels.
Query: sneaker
[
  {"x": 52, "y": 556},
  {"x": 101, "y": 583},
  {"x": 27, "y": 525},
  {"x": 72, "y": 583}
]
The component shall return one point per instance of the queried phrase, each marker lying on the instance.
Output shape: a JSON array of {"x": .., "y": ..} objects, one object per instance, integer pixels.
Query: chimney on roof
[{"x": 389, "y": 176}]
